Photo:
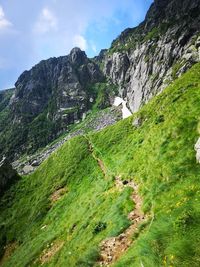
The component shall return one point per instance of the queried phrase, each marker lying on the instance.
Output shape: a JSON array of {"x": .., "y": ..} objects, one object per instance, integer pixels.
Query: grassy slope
[
  {"x": 72, "y": 219},
  {"x": 159, "y": 155}
]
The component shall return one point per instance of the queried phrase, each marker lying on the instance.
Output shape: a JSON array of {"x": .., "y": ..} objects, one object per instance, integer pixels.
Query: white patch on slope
[
  {"x": 197, "y": 148},
  {"x": 125, "y": 111}
]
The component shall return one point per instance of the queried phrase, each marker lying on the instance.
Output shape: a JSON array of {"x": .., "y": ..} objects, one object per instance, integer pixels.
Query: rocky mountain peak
[
  {"x": 48, "y": 98},
  {"x": 171, "y": 10},
  {"x": 143, "y": 60},
  {"x": 77, "y": 56}
]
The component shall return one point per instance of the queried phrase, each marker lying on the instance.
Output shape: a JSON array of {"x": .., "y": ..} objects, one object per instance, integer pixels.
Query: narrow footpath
[
  {"x": 113, "y": 248},
  {"x": 99, "y": 161}
]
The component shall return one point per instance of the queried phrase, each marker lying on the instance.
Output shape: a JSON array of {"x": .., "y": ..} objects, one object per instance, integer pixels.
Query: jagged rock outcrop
[
  {"x": 48, "y": 98},
  {"x": 8, "y": 176},
  {"x": 60, "y": 82},
  {"x": 142, "y": 61}
]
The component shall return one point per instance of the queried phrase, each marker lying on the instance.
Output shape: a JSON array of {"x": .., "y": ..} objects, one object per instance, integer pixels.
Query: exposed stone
[
  {"x": 103, "y": 119},
  {"x": 27, "y": 169},
  {"x": 112, "y": 248},
  {"x": 197, "y": 149},
  {"x": 8, "y": 176},
  {"x": 147, "y": 67},
  {"x": 137, "y": 122},
  {"x": 52, "y": 95}
]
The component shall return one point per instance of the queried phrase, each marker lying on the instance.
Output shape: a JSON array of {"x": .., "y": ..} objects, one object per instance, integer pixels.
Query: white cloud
[
  {"x": 48, "y": 28},
  {"x": 80, "y": 41},
  {"x": 4, "y": 23},
  {"x": 93, "y": 46},
  {"x": 47, "y": 22}
]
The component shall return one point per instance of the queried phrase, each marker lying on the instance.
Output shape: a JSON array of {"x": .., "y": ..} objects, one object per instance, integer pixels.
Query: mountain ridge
[
  {"x": 140, "y": 63},
  {"x": 123, "y": 195}
]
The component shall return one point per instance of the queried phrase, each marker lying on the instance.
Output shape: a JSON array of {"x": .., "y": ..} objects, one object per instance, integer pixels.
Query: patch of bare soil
[
  {"x": 113, "y": 248},
  {"x": 58, "y": 194},
  {"x": 9, "y": 249},
  {"x": 50, "y": 251}
]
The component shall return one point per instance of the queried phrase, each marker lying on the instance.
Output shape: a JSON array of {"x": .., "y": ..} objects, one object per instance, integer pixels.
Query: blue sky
[{"x": 32, "y": 30}]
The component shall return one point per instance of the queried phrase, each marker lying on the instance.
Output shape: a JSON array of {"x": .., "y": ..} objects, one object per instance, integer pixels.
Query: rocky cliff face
[
  {"x": 48, "y": 98},
  {"x": 144, "y": 60},
  {"x": 8, "y": 176},
  {"x": 58, "y": 84}
]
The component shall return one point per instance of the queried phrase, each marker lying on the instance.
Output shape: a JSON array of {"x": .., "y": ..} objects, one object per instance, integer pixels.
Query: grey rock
[
  {"x": 147, "y": 67},
  {"x": 8, "y": 176},
  {"x": 137, "y": 122},
  {"x": 53, "y": 95},
  {"x": 103, "y": 119},
  {"x": 28, "y": 169}
]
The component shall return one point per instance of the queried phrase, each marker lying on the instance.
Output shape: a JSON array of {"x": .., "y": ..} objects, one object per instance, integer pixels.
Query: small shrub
[
  {"x": 100, "y": 226},
  {"x": 159, "y": 119},
  {"x": 183, "y": 221}
]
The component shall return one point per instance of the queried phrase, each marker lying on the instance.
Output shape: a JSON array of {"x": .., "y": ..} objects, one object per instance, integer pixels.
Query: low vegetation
[{"x": 158, "y": 155}]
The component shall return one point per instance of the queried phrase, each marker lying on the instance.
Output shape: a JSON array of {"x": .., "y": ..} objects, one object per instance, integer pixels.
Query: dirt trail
[
  {"x": 49, "y": 252},
  {"x": 99, "y": 161},
  {"x": 9, "y": 250},
  {"x": 113, "y": 248}
]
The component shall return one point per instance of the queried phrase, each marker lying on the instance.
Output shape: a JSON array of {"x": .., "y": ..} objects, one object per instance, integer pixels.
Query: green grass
[
  {"x": 138, "y": 36},
  {"x": 85, "y": 205},
  {"x": 176, "y": 67},
  {"x": 159, "y": 155}
]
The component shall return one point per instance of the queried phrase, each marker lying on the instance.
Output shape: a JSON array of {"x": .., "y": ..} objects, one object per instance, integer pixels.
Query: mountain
[
  {"x": 141, "y": 62},
  {"x": 126, "y": 195},
  {"x": 49, "y": 98},
  {"x": 77, "y": 208}
]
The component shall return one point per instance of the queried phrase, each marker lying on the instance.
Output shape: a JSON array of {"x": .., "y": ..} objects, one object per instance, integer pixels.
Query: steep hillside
[
  {"x": 142, "y": 61},
  {"x": 83, "y": 194},
  {"x": 95, "y": 121},
  {"x": 5, "y": 97}
]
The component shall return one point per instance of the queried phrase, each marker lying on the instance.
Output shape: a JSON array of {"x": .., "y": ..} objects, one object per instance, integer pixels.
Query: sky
[{"x": 33, "y": 30}]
